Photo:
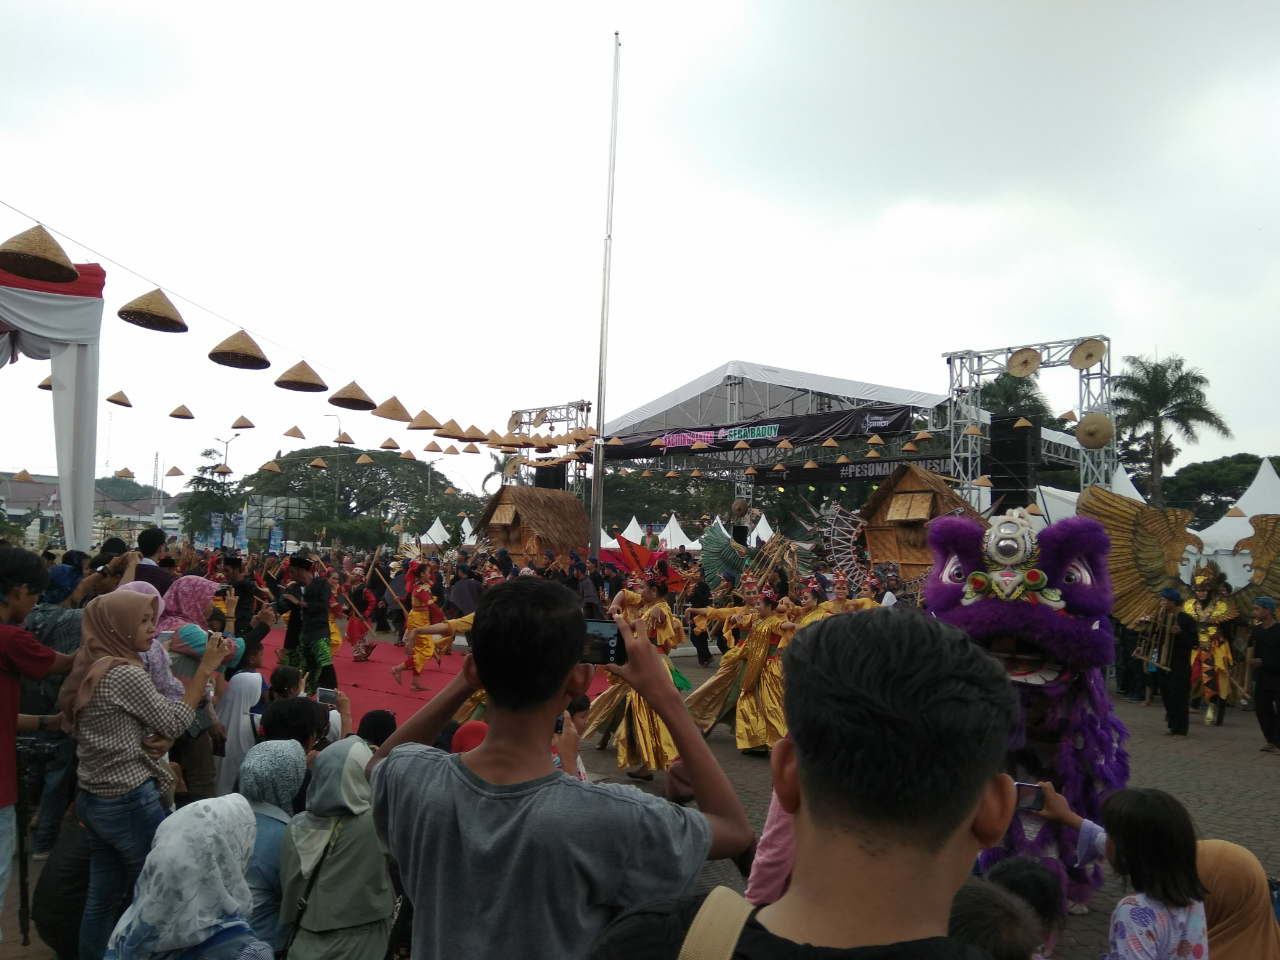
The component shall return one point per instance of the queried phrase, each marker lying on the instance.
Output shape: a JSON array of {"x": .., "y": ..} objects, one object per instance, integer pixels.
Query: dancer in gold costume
[
  {"x": 1211, "y": 661},
  {"x": 842, "y": 602},
  {"x": 700, "y": 617},
  {"x": 748, "y": 685},
  {"x": 642, "y": 739}
]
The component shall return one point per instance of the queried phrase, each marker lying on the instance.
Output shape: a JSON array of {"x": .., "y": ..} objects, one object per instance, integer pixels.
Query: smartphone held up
[{"x": 604, "y": 644}]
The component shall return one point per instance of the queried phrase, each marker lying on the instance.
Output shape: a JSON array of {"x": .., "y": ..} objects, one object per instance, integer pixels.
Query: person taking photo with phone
[
  {"x": 475, "y": 832},
  {"x": 112, "y": 707}
]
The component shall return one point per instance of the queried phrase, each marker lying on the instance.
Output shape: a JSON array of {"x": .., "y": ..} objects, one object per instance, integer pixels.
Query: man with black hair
[
  {"x": 893, "y": 772},
  {"x": 499, "y": 848},
  {"x": 151, "y": 545},
  {"x": 616, "y": 581},
  {"x": 242, "y": 584},
  {"x": 23, "y": 577}
]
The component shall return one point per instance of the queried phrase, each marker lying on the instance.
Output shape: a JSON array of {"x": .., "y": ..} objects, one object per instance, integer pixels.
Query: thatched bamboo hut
[
  {"x": 898, "y": 514},
  {"x": 528, "y": 521}
]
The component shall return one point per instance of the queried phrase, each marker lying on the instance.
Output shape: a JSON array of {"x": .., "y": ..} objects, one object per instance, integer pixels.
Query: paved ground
[{"x": 1231, "y": 789}]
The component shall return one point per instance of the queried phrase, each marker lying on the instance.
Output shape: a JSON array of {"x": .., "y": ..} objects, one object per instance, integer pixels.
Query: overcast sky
[{"x": 412, "y": 196}]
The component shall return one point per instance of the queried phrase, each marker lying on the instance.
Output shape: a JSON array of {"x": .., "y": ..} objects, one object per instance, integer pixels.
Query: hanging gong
[
  {"x": 1095, "y": 430},
  {"x": 1024, "y": 362},
  {"x": 1087, "y": 353}
]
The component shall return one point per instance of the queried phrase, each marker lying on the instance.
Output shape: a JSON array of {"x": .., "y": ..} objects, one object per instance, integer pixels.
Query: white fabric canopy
[
  {"x": 762, "y": 533},
  {"x": 468, "y": 533},
  {"x": 1220, "y": 538},
  {"x": 437, "y": 534},
  {"x": 62, "y": 323},
  {"x": 675, "y": 536},
  {"x": 607, "y": 542},
  {"x": 634, "y": 532},
  {"x": 1122, "y": 484}
]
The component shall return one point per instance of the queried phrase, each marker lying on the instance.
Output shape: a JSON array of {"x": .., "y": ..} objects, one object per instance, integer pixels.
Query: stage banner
[
  {"x": 242, "y": 533},
  {"x": 810, "y": 428},
  {"x": 861, "y": 470},
  {"x": 276, "y": 540},
  {"x": 215, "y": 533}
]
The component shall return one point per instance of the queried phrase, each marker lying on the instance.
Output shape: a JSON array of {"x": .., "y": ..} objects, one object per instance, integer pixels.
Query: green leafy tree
[
  {"x": 1135, "y": 454},
  {"x": 125, "y": 490},
  {"x": 1209, "y": 488},
  {"x": 1163, "y": 398},
  {"x": 209, "y": 494},
  {"x": 1010, "y": 396}
]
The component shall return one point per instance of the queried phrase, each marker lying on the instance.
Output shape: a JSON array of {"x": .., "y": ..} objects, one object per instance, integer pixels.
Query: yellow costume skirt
[
  {"x": 641, "y": 737},
  {"x": 335, "y": 637},
  {"x": 475, "y": 708},
  {"x": 757, "y": 713}
]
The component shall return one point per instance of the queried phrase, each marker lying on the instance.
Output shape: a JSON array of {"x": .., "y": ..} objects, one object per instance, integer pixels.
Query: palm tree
[
  {"x": 498, "y": 472},
  {"x": 1162, "y": 398},
  {"x": 1010, "y": 396}
]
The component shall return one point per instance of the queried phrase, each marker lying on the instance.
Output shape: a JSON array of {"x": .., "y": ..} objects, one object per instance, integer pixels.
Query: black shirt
[
  {"x": 656, "y": 931},
  {"x": 246, "y": 590},
  {"x": 617, "y": 583},
  {"x": 1184, "y": 641},
  {"x": 1266, "y": 646},
  {"x": 293, "y": 629}
]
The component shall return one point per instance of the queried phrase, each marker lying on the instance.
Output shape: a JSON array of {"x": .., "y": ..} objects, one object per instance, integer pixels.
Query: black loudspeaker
[
  {"x": 1011, "y": 461},
  {"x": 550, "y": 478}
]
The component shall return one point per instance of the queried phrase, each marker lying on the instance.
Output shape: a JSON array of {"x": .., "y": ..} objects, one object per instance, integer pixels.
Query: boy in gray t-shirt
[{"x": 502, "y": 854}]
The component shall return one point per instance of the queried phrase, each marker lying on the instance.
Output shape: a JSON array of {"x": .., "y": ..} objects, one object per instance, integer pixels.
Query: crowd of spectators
[{"x": 195, "y": 806}]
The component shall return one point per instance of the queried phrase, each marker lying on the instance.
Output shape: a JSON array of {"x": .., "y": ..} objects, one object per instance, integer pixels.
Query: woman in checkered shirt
[{"x": 123, "y": 726}]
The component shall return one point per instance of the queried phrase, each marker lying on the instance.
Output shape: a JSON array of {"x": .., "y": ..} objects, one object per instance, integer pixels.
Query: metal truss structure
[
  {"x": 970, "y": 369},
  {"x": 564, "y": 418}
]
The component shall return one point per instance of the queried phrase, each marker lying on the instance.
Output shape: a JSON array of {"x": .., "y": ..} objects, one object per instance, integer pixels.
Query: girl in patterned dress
[{"x": 1148, "y": 838}]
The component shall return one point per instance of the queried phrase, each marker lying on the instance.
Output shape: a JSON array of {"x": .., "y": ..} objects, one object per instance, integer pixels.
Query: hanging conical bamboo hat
[
  {"x": 23, "y": 477},
  {"x": 154, "y": 311},
  {"x": 494, "y": 438},
  {"x": 671, "y": 475},
  {"x": 35, "y": 255},
  {"x": 843, "y": 459},
  {"x": 449, "y": 491},
  {"x": 174, "y": 472},
  {"x": 302, "y": 378},
  {"x": 318, "y": 464},
  {"x": 390, "y": 444},
  {"x": 875, "y": 440},
  {"x": 830, "y": 442},
  {"x": 972, "y": 430},
  {"x": 407, "y": 455},
  {"x": 922, "y": 436},
  {"x": 778, "y": 468},
  {"x": 432, "y": 447},
  {"x": 742, "y": 445},
  {"x": 271, "y": 467},
  {"x": 343, "y": 440},
  {"x": 614, "y": 442},
  {"x": 127, "y": 474},
  {"x": 910, "y": 447},
  {"x": 392, "y": 409},
  {"x": 751, "y": 471},
  {"x": 1069, "y": 417},
  {"x": 698, "y": 445},
  {"x": 46, "y": 383},
  {"x": 873, "y": 453},
  {"x": 295, "y": 433},
  {"x": 451, "y": 431},
  {"x": 623, "y": 471},
  {"x": 473, "y": 433},
  {"x": 983, "y": 481},
  {"x": 182, "y": 412},
  {"x": 242, "y": 423},
  {"x": 451, "y": 450},
  {"x": 222, "y": 470},
  {"x": 811, "y": 465},
  {"x": 364, "y": 459},
  {"x": 470, "y": 448},
  {"x": 239, "y": 350},
  {"x": 647, "y": 473},
  {"x": 423, "y": 421},
  {"x": 1022, "y": 423},
  {"x": 1235, "y": 512},
  {"x": 351, "y": 397},
  {"x": 785, "y": 444},
  {"x": 119, "y": 399}
]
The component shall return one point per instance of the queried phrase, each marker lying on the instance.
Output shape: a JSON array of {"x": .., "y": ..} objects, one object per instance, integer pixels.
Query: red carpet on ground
[{"x": 369, "y": 685}]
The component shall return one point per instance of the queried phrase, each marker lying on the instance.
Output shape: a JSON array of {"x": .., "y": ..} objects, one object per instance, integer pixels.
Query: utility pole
[{"x": 597, "y": 447}]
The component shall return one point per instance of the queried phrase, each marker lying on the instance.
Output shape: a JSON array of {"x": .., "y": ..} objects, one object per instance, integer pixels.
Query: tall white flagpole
[{"x": 597, "y": 448}]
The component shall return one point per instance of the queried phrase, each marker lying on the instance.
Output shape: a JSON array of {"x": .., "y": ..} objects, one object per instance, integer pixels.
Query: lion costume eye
[
  {"x": 1078, "y": 572},
  {"x": 953, "y": 572}
]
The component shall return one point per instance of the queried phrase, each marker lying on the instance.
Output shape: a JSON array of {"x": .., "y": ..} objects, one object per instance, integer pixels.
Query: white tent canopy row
[
  {"x": 437, "y": 534},
  {"x": 761, "y": 534},
  {"x": 675, "y": 537},
  {"x": 1220, "y": 538}
]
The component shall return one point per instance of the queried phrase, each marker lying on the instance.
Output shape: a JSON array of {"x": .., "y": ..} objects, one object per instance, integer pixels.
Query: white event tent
[
  {"x": 634, "y": 531},
  {"x": 762, "y": 533},
  {"x": 675, "y": 536},
  {"x": 437, "y": 534},
  {"x": 1220, "y": 539}
]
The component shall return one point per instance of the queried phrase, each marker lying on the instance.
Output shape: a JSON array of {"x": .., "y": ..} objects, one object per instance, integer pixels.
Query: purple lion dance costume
[{"x": 1039, "y": 603}]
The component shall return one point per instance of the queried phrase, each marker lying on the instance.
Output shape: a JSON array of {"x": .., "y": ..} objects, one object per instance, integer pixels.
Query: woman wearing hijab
[
  {"x": 187, "y": 605},
  {"x": 333, "y": 859},
  {"x": 242, "y": 694},
  {"x": 272, "y": 772},
  {"x": 1237, "y": 909},
  {"x": 112, "y": 706},
  {"x": 193, "y": 900},
  {"x": 156, "y": 658}
]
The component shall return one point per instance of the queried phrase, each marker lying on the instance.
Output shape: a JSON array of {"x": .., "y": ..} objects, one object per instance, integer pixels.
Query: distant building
[{"x": 112, "y": 518}]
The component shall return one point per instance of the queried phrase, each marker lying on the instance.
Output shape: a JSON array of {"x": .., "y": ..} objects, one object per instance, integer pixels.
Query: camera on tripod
[{"x": 36, "y": 750}]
